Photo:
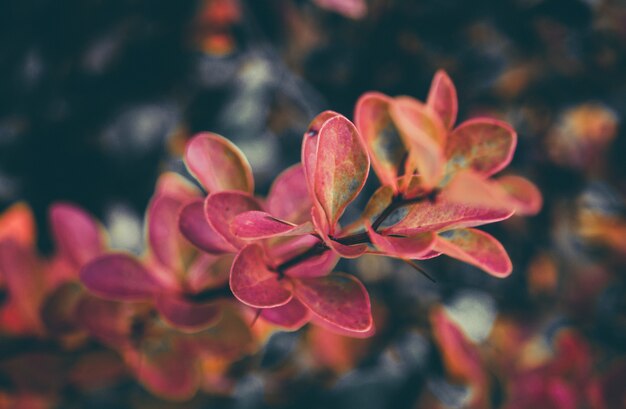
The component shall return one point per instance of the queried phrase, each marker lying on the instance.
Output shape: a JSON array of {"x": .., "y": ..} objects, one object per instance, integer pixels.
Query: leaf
[
  {"x": 218, "y": 164},
  {"x": 18, "y": 223},
  {"x": 173, "y": 185},
  {"x": 167, "y": 367},
  {"x": 424, "y": 135},
  {"x": 467, "y": 201},
  {"x": 339, "y": 299},
  {"x": 108, "y": 321},
  {"x": 309, "y": 147},
  {"x": 443, "y": 99},
  {"x": 317, "y": 266},
  {"x": 289, "y": 198},
  {"x": 24, "y": 283},
  {"x": 484, "y": 145},
  {"x": 380, "y": 200},
  {"x": 163, "y": 234},
  {"x": 195, "y": 227},
  {"x": 291, "y": 316},
  {"x": 414, "y": 247},
  {"x": 261, "y": 225},
  {"x": 477, "y": 248},
  {"x": 341, "y": 169},
  {"x": 355, "y": 9},
  {"x": 524, "y": 195},
  {"x": 185, "y": 315},
  {"x": 208, "y": 271},
  {"x": 119, "y": 276},
  {"x": 460, "y": 358},
  {"x": 346, "y": 251},
  {"x": 77, "y": 236},
  {"x": 253, "y": 283},
  {"x": 220, "y": 210},
  {"x": 381, "y": 137}
]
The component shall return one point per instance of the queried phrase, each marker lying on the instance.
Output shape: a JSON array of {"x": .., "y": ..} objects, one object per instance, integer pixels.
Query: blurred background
[{"x": 97, "y": 98}]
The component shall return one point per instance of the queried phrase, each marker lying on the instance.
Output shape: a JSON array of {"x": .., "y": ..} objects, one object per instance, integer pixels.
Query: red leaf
[
  {"x": 185, "y": 315},
  {"x": 292, "y": 315},
  {"x": 484, "y": 145},
  {"x": 309, "y": 148},
  {"x": 289, "y": 197},
  {"x": 209, "y": 271},
  {"x": 443, "y": 99},
  {"x": 260, "y": 225},
  {"x": 341, "y": 169},
  {"x": 77, "y": 235},
  {"x": 477, "y": 248},
  {"x": 424, "y": 135},
  {"x": 525, "y": 196},
  {"x": 194, "y": 226},
  {"x": 120, "y": 277},
  {"x": 413, "y": 247},
  {"x": 163, "y": 234},
  {"x": 381, "y": 137},
  {"x": 338, "y": 298},
  {"x": 253, "y": 283},
  {"x": 221, "y": 209},
  {"x": 460, "y": 358},
  {"x": 467, "y": 201},
  {"x": 108, "y": 321},
  {"x": 355, "y": 9},
  {"x": 18, "y": 223},
  {"x": 25, "y": 287},
  {"x": 218, "y": 164},
  {"x": 170, "y": 371},
  {"x": 352, "y": 251}
]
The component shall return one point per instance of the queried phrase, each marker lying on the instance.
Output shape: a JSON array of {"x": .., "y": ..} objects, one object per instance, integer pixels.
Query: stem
[{"x": 358, "y": 238}]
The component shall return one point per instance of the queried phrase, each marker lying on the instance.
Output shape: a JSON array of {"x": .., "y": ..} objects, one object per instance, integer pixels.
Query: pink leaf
[
  {"x": 209, "y": 271},
  {"x": 22, "y": 274},
  {"x": 170, "y": 371},
  {"x": 316, "y": 266},
  {"x": 260, "y": 225},
  {"x": 477, "y": 248},
  {"x": 220, "y": 209},
  {"x": 194, "y": 226},
  {"x": 185, "y": 315},
  {"x": 467, "y": 201},
  {"x": 289, "y": 197},
  {"x": 355, "y": 9},
  {"x": 309, "y": 147},
  {"x": 338, "y": 298},
  {"x": 442, "y": 98},
  {"x": 329, "y": 326},
  {"x": 342, "y": 167},
  {"x": 292, "y": 315},
  {"x": 414, "y": 247},
  {"x": 253, "y": 283},
  {"x": 108, "y": 321},
  {"x": 346, "y": 251},
  {"x": 119, "y": 276},
  {"x": 77, "y": 235},
  {"x": 424, "y": 135},
  {"x": 175, "y": 186},
  {"x": 381, "y": 137},
  {"x": 460, "y": 358},
  {"x": 484, "y": 145},
  {"x": 163, "y": 234},
  {"x": 218, "y": 164},
  {"x": 525, "y": 196}
]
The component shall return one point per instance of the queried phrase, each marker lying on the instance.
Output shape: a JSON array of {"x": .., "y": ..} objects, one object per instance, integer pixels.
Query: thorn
[{"x": 419, "y": 269}]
